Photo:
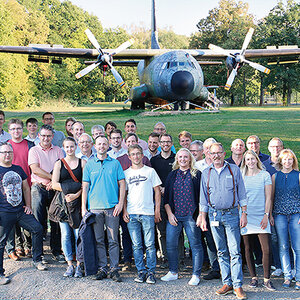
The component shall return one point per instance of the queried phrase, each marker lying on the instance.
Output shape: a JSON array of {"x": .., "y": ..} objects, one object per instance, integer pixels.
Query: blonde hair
[
  {"x": 244, "y": 167},
  {"x": 283, "y": 152},
  {"x": 176, "y": 166}
]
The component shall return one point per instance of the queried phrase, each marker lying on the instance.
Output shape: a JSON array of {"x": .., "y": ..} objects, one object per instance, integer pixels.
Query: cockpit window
[{"x": 181, "y": 63}]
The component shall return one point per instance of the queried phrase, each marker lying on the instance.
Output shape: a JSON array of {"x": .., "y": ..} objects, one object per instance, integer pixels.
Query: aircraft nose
[{"x": 182, "y": 83}]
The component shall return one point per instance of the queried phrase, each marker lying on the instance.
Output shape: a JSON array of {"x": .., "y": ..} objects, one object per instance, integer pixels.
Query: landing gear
[{"x": 137, "y": 105}]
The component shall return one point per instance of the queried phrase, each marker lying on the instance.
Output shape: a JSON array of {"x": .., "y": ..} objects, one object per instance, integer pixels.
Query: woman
[
  {"x": 62, "y": 181},
  {"x": 181, "y": 200},
  {"x": 258, "y": 186},
  {"x": 68, "y": 125},
  {"x": 286, "y": 212}
]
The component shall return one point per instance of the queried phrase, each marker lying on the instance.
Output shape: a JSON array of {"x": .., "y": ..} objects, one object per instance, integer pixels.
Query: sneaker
[
  {"x": 115, "y": 276},
  {"x": 269, "y": 285},
  {"x": 297, "y": 285},
  {"x": 44, "y": 261},
  {"x": 164, "y": 264},
  {"x": 277, "y": 272},
  {"x": 4, "y": 280},
  {"x": 39, "y": 265},
  {"x": 28, "y": 253},
  {"x": 225, "y": 290},
  {"x": 127, "y": 266},
  {"x": 100, "y": 275},
  {"x": 70, "y": 271},
  {"x": 240, "y": 294},
  {"x": 20, "y": 252},
  {"x": 194, "y": 280},
  {"x": 141, "y": 277},
  {"x": 14, "y": 256},
  {"x": 212, "y": 275},
  {"x": 286, "y": 283},
  {"x": 78, "y": 272},
  {"x": 169, "y": 276},
  {"x": 151, "y": 278},
  {"x": 253, "y": 283},
  {"x": 205, "y": 266},
  {"x": 59, "y": 258}
]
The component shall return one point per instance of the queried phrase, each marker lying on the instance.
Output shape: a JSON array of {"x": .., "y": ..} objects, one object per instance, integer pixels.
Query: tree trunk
[
  {"x": 289, "y": 94},
  {"x": 232, "y": 100},
  {"x": 284, "y": 92},
  {"x": 261, "y": 96}
]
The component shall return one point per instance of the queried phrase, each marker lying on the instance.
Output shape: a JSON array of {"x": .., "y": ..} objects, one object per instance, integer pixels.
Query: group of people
[{"x": 94, "y": 187}]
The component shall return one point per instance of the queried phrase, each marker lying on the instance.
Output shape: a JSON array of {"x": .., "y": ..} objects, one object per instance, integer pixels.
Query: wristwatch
[
  {"x": 266, "y": 213},
  {"x": 244, "y": 212}
]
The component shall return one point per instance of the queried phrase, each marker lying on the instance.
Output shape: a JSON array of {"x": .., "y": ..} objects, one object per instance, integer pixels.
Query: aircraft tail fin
[{"x": 154, "y": 33}]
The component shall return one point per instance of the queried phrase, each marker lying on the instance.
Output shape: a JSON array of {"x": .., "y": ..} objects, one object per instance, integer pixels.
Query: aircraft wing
[{"x": 47, "y": 50}]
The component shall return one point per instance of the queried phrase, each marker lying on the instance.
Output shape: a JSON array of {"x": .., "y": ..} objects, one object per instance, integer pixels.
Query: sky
[{"x": 180, "y": 16}]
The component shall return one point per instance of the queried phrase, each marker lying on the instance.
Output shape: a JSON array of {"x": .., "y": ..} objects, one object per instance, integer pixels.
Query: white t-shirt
[{"x": 140, "y": 184}]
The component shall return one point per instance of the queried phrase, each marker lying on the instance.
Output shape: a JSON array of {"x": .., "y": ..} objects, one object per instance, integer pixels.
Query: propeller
[
  {"x": 239, "y": 59},
  {"x": 104, "y": 58}
]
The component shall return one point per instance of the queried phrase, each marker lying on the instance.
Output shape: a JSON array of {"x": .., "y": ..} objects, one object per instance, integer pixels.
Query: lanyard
[{"x": 208, "y": 194}]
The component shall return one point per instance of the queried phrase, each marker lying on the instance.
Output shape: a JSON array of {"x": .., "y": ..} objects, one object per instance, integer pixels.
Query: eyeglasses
[
  {"x": 16, "y": 128},
  {"x": 116, "y": 138},
  {"x": 46, "y": 136},
  {"x": 6, "y": 152},
  {"x": 85, "y": 142},
  {"x": 165, "y": 142},
  {"x": 216, "y": 153}
]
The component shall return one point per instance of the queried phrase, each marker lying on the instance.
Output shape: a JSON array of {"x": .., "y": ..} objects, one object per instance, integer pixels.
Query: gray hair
[
  {"x": 208, "y": 142},
  {"x": 199, "y": 143},
  {"x": 97, "y": 127},
  {"x": 85, "y": 134}
]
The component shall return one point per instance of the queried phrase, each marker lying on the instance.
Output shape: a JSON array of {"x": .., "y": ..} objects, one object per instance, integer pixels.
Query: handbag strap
[{"x": 69, "y": 170}]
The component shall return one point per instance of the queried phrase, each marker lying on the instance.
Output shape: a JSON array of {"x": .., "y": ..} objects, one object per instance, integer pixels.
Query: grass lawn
[{"x": 229, "y": 124}]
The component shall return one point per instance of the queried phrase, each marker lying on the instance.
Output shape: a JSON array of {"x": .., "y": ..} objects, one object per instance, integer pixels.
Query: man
[
  {"x": 141, "y": 214},
  {"x": 32, "y": 128},
  {"x": 4, "y": 136},
  {"x": 253, "y": 143},
  {"x": 196, "y": 148},
  {"x": 41, "y": 160},
  {"x": 116, "y": 144},
  {"x": 161, "y": 128},
  {"x": 97, "y": 130},
  {"x": 58, "y": 136},
  {"x": 103, "y": 193},
  {"x": 153, "y": 143},
  {"x": 237, "y": 152},
  {"x": 109, "y": 127},
  {"x": 202, "y": 164},
  {"x": 162, "y": 164},
  {"x": 85, "y": 144},
  {"x": 130, "y": 127},
  {"x": 77, "y": 131},
  {"x": 275, "y": 147},
  {"x": 131, "y": 139},
  {"x": 13, "y": 187},
  {"x": 21, "y": 149},
  {"x": 222, "y": 191},
  {"x": 185, "y": 139}
]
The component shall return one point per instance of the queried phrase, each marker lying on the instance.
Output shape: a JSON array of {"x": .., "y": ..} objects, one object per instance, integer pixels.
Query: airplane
[{"x": 166, "y": 76}]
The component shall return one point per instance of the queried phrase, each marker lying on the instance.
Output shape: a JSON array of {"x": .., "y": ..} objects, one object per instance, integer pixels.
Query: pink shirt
[
  {"x": 21, "y": 157},
  {"x": 46, "y": 159}
]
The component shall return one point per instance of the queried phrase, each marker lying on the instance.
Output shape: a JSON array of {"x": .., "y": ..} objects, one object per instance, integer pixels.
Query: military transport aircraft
[{"x": 166, "y": 76}]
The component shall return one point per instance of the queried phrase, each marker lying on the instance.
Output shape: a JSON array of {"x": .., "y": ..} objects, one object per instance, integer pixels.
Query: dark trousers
[
  {"x": 41, "y": 199},
  {"x": 126, "y": 241},
  {"x": 8, "y": 220}
]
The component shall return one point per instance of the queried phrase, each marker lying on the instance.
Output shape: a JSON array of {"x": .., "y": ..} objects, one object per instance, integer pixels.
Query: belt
[{"x": 40, "y": 185}]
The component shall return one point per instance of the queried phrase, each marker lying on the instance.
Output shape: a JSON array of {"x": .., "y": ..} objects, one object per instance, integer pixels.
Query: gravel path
[{"x": 28, "y": 283}]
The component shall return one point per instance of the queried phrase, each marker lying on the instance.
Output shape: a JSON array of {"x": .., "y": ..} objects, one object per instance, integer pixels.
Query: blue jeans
[
  {"x": 287, "y": 225},
  {"x": 8, "y": 220},
  {"x": 66, "y": 239},
  {"x": 227, "y": 239},
  {"x": 40, "y": 200},
  {"x": 138, "y": 225},
  {"x": 194, "y": 236}
]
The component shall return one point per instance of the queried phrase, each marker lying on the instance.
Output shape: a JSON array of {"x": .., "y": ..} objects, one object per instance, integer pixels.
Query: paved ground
[{"x": 28, "y": 283}]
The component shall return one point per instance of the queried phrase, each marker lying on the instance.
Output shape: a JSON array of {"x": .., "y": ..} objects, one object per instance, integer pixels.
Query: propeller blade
[
  {"x": 220, "y": 50},
  {"x": 247, "y": 40},
  {"x": 87, "y": 70},
  {"x": 117, "y": 76},
  {"x": 126, "y": 101},
  {"x": 257, "y": 66},
  {"x": 93, "y": 40},
  {"x": 231, "y": 79},
  {"x": 123, "y": 46}
]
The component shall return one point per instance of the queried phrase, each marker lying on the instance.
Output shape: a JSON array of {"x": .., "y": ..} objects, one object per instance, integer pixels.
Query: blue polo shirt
[{"x": 103, "y": 179}]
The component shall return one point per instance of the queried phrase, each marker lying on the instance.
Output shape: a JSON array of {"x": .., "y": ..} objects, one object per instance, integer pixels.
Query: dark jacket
[
  {"x": 169, "y": 191},
  {"x": 86, "y": 245}
]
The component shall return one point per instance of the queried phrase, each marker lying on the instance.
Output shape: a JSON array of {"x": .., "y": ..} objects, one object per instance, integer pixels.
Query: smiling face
[
  {"x": 194, "y": 149},
  {"x": 131, "y": 141},
  {"x": 77, "y": 130},
  {"x": 48, "y": 119},
  {"x": 165, "y": 144},
  {"x": 16, "y": 131},
  {"x": 46, "y": 137},
  {"x": 287, "y": 161},
  {"x": 251, "y": 161},
  {"x": 85, "y": 144},
  {"x": 136, "y": 157},
  {"x": 6, "y": 155},
  {"x": 130, "y": 127},
  {"x": 101, "y": 145},
  {"x": 185, "y": 142},
  {"x": 153, "y": 143},
  {"x": 253, "y": 144},
  {"x": 217, "y": 155},
  {"x": 275, "y": 147},
  {"x": 184, "y": 160},
  {"x": 116, "y": 140},
  {"x": 69, "y": 148},
  {"x": 32, "y": 128},
  {"x": 68, "y": 127},
  {"x": 238, "y": 147}
]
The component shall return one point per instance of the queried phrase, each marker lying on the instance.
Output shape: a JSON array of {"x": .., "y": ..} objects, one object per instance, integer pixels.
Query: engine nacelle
[{"x": 139, "y": 93}]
